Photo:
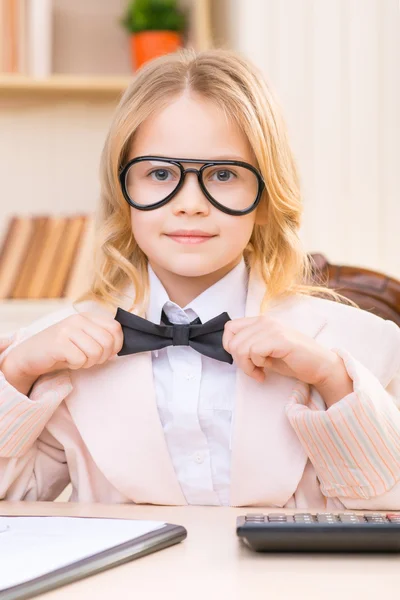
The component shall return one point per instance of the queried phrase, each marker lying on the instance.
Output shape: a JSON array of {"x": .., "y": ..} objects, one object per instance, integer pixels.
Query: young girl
[{"x": 201, "y": 368}]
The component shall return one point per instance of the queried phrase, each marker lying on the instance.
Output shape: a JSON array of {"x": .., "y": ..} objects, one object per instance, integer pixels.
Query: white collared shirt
[{"x": 196, "y": 394}]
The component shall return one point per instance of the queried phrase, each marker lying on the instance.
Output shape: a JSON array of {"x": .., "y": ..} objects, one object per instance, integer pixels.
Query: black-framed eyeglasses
[{"x": 232, "y": 186}]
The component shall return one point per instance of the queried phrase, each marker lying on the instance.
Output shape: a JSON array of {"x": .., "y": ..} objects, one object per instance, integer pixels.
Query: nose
[{"x": 190, "y": 198}]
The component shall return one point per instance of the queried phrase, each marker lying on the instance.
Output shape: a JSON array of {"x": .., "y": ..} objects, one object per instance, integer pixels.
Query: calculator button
[
  {"x": 351, "y": 518},
  {"x": 255, "y": 518},
  {"x": 375, "y": 518},
  {"x": 277, "y": 518},
  {"x": 326, "y": 518},
  {"x": 394, "y": 517},
  {"x": 304, "y": 518},
  {"x": 372, "y": 517}
]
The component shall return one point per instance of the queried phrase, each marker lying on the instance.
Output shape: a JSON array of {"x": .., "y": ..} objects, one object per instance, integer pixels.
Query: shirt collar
[{"x": 226, "y": 295}]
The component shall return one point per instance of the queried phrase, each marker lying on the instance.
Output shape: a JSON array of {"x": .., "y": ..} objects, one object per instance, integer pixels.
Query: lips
[
  {"x": 193, "y": 236},
  {"x": 190, "y": 233}
]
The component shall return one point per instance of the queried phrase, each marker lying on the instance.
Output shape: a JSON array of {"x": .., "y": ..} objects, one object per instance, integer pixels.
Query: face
[{"x": 191, "y": 127}]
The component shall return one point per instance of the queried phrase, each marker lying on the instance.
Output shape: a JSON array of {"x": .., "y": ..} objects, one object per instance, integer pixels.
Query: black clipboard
[{"x": 111, "y": 557}]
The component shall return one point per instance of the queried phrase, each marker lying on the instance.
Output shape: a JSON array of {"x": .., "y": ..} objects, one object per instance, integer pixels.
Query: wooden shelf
[{"x": 64, "y": 85}]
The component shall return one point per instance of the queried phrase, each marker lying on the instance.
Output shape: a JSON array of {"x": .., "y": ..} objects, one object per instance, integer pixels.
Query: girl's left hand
[{"x": 259, "y": 342}]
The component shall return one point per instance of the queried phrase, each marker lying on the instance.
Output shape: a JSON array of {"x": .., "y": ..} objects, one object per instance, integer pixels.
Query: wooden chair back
[{"x": 371, "y": 290}]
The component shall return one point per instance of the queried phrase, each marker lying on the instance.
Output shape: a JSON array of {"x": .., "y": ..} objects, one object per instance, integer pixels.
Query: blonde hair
[{"x": 236, "y": 86}]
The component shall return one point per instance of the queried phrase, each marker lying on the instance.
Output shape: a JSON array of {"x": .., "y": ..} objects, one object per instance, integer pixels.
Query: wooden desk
[{"x": 211, "y": 564}]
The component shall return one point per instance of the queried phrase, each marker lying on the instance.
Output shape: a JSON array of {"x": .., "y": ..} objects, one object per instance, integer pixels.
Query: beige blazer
[{"x": 99, "y": 428}]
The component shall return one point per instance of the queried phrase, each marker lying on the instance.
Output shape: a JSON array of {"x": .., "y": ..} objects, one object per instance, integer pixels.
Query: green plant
[{"x": 155, "y": 15}]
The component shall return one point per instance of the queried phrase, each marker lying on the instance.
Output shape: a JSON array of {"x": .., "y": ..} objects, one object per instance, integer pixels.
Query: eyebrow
[
  {"x": 229, "y": 157},
  {"x": 211, "y": 158}
]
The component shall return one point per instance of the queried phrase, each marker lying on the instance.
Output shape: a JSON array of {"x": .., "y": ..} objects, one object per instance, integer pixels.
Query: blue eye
[
  {"x": 161, "y": 174},
  {"x": 223, "y": 175}
]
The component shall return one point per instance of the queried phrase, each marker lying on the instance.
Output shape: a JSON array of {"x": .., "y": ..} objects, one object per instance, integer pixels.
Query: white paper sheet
[{"x": 33, "y": 546}]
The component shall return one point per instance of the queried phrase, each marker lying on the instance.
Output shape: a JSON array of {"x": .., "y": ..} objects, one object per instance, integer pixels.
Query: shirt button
[
  {"x": 199, "y": 458},
  {"x": 190, "y": 376}
]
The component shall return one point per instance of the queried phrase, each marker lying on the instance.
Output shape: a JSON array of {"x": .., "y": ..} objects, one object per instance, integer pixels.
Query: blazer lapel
[
  {"x": 267, "y": 458},
  {"x": 126, "y": 440}
]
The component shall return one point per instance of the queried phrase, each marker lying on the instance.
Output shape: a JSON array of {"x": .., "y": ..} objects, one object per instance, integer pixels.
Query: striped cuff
[
  {"x": 354, "y": 445},
  {"x": 23, "y": 419}
]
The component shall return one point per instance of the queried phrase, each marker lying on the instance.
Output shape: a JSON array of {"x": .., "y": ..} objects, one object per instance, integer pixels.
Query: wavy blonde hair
[{"x": 236, "y": 86}]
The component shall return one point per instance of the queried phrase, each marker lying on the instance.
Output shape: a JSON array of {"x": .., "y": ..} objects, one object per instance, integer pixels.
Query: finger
[
  {"x": 237, "y": 324},
  {"x": 88, "y": 346},
  {"x": 242, "y": 355},
  {"x": 250, "y": 350},
  {"x": 101, "y": 336},
  {"x": 259, "y": 353},
  {"x": 239, "y": 346},
  {"x": 242, "y": 337},
  {"x": 73, "y": 358},
  {"x": 232, "y": 328},
  {"x": 248, "y": 367},
  {"x": 111, "y": 325}
]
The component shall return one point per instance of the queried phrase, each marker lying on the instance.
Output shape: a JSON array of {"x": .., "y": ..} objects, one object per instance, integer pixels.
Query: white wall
[{"x": 336, "y": 67}]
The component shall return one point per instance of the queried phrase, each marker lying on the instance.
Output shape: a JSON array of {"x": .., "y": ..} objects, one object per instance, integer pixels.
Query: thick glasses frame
[{"x": 206, "y": 163}]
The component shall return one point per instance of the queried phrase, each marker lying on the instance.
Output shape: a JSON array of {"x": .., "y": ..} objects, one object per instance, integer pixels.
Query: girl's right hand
[{"x": 77, "y": 342}]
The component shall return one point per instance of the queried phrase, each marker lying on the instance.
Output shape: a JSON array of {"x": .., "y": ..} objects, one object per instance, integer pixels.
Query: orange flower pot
[{"x": 150, "y": 44}]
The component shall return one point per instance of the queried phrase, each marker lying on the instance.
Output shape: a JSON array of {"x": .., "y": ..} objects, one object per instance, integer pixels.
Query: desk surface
[{"x": 211, "y": 564}]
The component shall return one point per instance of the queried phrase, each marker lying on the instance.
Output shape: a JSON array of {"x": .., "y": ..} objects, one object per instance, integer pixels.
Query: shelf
[{"x": 78, "y": 85}]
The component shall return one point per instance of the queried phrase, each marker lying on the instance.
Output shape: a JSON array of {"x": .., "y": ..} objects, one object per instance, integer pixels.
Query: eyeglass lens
[{"x": 150, "y": 181}]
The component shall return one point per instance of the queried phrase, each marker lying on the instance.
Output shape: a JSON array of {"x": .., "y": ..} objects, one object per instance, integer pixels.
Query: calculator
[{"x": 320, "y": 532}]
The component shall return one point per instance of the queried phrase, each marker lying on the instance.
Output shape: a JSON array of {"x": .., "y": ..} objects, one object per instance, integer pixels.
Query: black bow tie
[{"x": 141, "y": 335}]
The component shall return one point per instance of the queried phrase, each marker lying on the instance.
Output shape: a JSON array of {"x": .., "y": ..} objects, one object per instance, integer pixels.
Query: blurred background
[{"x": 335, "y": 65}]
